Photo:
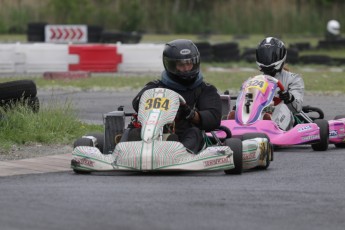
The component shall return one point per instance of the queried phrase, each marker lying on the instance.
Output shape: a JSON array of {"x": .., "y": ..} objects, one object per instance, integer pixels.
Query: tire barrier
[
  {"x": 249, "y": 55},
  {"x": 292, "y": 56},
  {"x": 316, "y": 59},
  {"x": 331, "y": 44},
  {"x": 300, "y": 46},
  {"x": 21, "y": 91},
  {"x": 338, "y": 61},
  {"x": 123, "y": 37},
  {"x": 35, "y": 31},
  {"x": 94, "y": 33},
  {"x": 228, "y": 51},
  {"x": 206, "y": 51}
]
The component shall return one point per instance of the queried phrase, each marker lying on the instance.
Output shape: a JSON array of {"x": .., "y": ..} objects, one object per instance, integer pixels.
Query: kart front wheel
[
  {"x": 81, "y": 142},
  {"x": 270, "y": 148},
  {"x": 322, "y": 145},
  {"x": 236, "y": 146}
]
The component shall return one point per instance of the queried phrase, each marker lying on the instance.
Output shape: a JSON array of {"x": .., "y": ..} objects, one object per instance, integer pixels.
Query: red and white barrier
[
  {"x": 45, "y": 57},
  {"x": 95, "y": 58}
]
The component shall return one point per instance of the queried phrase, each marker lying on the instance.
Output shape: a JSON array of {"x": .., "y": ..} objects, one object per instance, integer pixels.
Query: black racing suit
[{"x": 205, "y": 99}]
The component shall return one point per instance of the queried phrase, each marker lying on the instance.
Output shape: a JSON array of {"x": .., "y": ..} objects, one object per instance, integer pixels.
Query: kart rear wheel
[
  {"x": 248, "y": 136},
  {"x": 322, "y": 145},
  {"x": 88, "y": 142},
  {"x": 236, "y": 146},
  {"x": 100, "y": 140},
  {"x": 339, "y": 145},
  {"x": 82, "y": 142}
]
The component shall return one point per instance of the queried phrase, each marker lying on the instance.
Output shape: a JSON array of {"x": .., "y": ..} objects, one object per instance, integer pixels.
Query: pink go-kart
[{"x": 256, "y": 102}]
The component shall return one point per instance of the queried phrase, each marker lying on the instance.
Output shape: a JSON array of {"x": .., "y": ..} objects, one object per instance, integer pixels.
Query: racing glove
[
  {"x": 286, "y": 97},
  {"x": 185, "y": 112}
]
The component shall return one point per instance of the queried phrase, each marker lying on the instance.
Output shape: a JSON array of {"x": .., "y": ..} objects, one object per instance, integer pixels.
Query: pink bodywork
[{"x": 256, "y": 94}]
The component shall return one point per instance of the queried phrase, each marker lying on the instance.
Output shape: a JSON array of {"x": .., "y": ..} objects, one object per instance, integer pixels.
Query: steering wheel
[
  {"x": 277, "y": 100},
  {"x": 182, "y": 100},
  {"x": 226, "y": 130}
]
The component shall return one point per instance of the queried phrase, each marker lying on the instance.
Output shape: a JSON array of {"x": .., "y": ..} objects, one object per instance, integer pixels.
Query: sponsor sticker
[
  {"x": 311, "y": 137},
  {"x": 305, "y": 128},
  {"x": 333, "y": 133},
  {"x": 214, "y": 162},
  {"x": 185, "y": 51},
  {"x": 85, "y": 161},
  {"x": 249, "y": 156}
]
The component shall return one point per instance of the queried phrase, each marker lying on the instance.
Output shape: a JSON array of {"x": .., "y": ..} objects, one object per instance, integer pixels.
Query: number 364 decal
[{"x": 161, "y": 103}]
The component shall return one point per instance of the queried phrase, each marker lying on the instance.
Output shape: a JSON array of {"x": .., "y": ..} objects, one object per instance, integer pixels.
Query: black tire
[
  {"x": 322, "y": 145},
  {"x": 249, "y": 55},
  {"x": 315, "y": 59},
  {"x": 236, "y": 146},
  {"x": 36, "y": 32},
  {"x": 94, "y": 33},
  {"x": 82, "y": 142},
  {"x": 227, "y": 51},
  {"x": 20, "y": 89},
  {"x": 205, "y": 50},
  {"x": 31, "y": 102},
  {"x": 270, "y": 150},
  {"x": 339, "y": 145},
  {"x": 100, "y": 140}
]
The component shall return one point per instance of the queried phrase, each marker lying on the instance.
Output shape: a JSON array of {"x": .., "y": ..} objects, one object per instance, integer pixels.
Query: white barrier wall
[
  {"x": 141, "y": 57},
  {"x": 42, "y": 57},
  {"x": 8, "y": 58}
]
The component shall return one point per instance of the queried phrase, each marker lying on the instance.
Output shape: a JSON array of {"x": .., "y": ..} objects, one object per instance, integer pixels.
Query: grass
[
  {"x": 225, "y": 76},
  {"x": 54, "y": 123}
]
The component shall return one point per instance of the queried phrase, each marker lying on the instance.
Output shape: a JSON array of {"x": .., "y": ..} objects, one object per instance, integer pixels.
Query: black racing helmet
[
  {"x": 181, "y": 51},
  {"x": 271, "y": 56}
]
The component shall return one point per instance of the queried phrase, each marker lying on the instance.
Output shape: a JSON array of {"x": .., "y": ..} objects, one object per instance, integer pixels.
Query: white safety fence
[{"x": 141, "y": 57}]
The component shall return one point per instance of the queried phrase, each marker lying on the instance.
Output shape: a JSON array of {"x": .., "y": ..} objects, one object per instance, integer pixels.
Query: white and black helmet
[
  {"x": 181, "y": 51},
  {"x": 271, "y": 55},
  {"x": 333, "y": 27}
]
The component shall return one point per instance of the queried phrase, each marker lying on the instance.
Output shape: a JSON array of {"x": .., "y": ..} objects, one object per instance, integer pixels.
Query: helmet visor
[
  {"x": 275, "y": 65},
  {"x": 182, "y": 67}
]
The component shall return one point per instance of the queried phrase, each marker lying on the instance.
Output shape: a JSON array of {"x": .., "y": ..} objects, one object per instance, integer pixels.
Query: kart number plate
[
  {"x": 259, "y": 84},
  {"x": 161, "y": 103}
]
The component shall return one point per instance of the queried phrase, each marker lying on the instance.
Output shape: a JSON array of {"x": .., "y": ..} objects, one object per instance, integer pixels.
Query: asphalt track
[{"x": 302, "y": 189}]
